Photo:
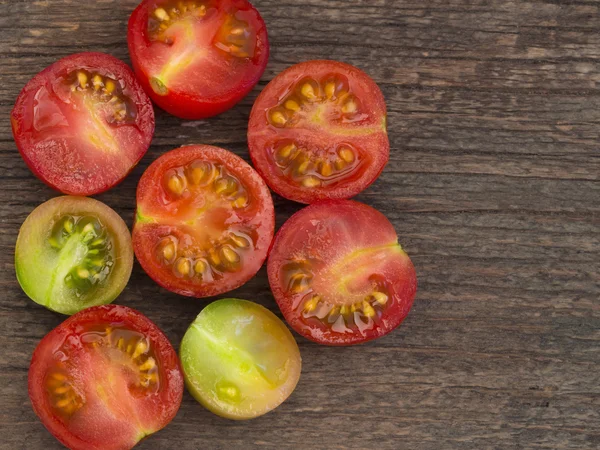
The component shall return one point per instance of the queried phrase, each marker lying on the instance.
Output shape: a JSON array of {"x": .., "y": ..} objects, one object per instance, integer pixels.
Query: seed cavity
[
  {"x": 64, "y": 396},
  {"x": 88, "y": 239},
  {"x": 162, "y": 17},
  {"x": 104, "y": 92}
]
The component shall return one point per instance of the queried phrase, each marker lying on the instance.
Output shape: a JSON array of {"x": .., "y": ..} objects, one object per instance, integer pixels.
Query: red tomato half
[
  {"x": 204, "y": 221},
  {"x": 83, "y": 123},
  {"x": 339, "y": 275},
  {"x": 318, "y": 131},
  {"x": 197, "y": 58},
  {"x": 104, "y": 379}
]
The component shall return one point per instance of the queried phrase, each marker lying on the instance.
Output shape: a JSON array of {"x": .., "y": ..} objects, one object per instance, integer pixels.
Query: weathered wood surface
[{"x": 493, "y": 185}]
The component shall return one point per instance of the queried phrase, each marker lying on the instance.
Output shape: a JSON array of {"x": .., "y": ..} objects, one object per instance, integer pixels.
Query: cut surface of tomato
[
  {"x": 204, "y": 221},
  {"x": 104, "y": 379},
  {"x": 239, "y": 360},
  {"x": 83, "y": 123},
  {"x": 197, "y": 58},
  {"x": 318, "y": 131},
  {"x": 73, "y": 253},
  {"x": 339, "y": 275}
]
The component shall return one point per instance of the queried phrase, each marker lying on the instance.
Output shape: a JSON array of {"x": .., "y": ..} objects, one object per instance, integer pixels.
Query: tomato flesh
[
  {"x": 318, "y": 131},
  {"x": 239, "y": 360},
  {"x": 73, "y": 253},
  {"x": 339, "y": 275},
  {"x": 104, "y": 379},
  {"x": 204, "y": 221},
  {"x": 171, "y": 42},
  {"x": 83, "y": 123}
]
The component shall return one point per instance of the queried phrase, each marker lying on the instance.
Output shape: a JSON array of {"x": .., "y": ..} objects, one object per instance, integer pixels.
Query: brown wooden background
[{"x": 493, "y": 186}]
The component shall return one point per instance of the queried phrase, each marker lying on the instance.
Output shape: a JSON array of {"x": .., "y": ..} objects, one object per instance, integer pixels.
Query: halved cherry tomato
[
  {"x": 83, "y": 123},
  {"x": 73, "y": 253},
  {"x": 318, "y": 131},
  {"x": 204, "y": 221},
  {"x": 197, "y": 58},
  {"x": 239, "y": 360},
  {"x": 339, "y": 274},
  {"x": 104, "y": 379}
]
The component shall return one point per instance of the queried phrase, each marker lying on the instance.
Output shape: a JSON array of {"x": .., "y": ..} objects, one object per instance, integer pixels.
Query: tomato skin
[
  {"x": 54, "y": 161},
  {"x": 329, "y": 231},
  {"x": 187, "y": 104},
  {"x": 150, "y": 195},
  {"x": 154, "y": 411},
  {"x": 370, "y": 133}
]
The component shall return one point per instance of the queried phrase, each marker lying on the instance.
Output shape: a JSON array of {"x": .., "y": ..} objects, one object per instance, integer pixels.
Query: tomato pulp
[
  {"x": 204, "y": 221},
  {"x": 339, "y": 275},
  {"x": 104, "y": 379},
  {"x": 318, "y": 131},
  {"x": 197, "y": 58},
  {"x": 83, "y": 123}
]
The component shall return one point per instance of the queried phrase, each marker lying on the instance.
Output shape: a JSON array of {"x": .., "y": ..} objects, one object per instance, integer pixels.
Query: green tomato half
[
  {"x": 239, "y": 360},
  {"x": 73, "y": 253}
]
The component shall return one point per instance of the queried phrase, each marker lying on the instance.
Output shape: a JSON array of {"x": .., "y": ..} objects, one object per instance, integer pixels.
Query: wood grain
[{"x": 493, "y": 186}]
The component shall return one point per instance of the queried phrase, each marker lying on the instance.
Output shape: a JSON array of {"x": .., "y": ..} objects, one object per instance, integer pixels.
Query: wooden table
[{"x": 493, "y": 186}]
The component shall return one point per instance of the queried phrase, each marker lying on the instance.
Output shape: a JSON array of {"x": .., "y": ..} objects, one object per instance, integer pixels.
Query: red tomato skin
[
  {"x": 185, "y": 105},
  {"x": 71, "y": 184},
  {"x": 376, "y": 144},
  {"x": 171, "y": 383},
  {"x": 148, "y": 188},
  {"x": 290, "y": 234}
]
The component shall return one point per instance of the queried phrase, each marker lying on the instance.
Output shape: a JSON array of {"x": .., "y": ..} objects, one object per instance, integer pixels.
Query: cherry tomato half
[
  {"x": 83, "y": 123},
  {"x": 204, "y": 221},
  {"x": 104, "y": 379},
  {"x": 73, "y": 253},
  {"x": 197, "y": 58},
  {"x": 239, "y": 360},
  {"x": 339, "y": 275},
  {"x": 318, "y": 131}
]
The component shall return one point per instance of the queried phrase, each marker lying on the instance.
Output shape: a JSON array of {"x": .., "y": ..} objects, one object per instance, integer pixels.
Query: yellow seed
[
  {"x": 230, "y": 255},
  {"x": 330, "y": 90},
  {"x": 292, "y": 105},
  {"x": 61, "y": 390},
  {"x": 346, "y": 154},
  {"x": 312, "y": 304},
  {"x": 59, "y": 376},
  {"x": 368, "y": 309},
  {"x": 299, "y": 282},
  {"x": 278, "y": 118},
  {"x": 350, "y": 107},
  {"x": 121, "y": 344},
  {"x": 380, "y": 297},
  {"x": 169, "y": 251},
  {"x": 82, "y": 79},
  {"x": 308, "y": 91},
  {"x": 83, "y": 273},
  {"x": 140, "y": 348},
  {"x": 62, "y": 403},
  {"x": 183, "y": 266},
  {"x": 303, "y": 167},
  {"x": 311, "y": 182},
  {"x": 97, "y": 242},
  {"x": 109, "y": 86},
  {"x": 88, "y": 228},
  {"x": 334, "y": 311},
  {"x": 222, "y": 184},
  {"x": 196, "y": 174},
  {"x": 130, "y": 347},
  {"x": 97, "y": 82},
  {"x": 240, "y": 241},
  {"x": 340, "y": 164},
  {"x": 200, "y": 266},
  {"x": 214, "y": 257},
  {"x": 149, "y": 364},
  {"x": 176, "y": 184},
  {"x": 161, "y": 14},
  {"x": 240, "y": 202},
  {"x": 286, "y": 151},
  {"x": 345, "y": 309},
  {"x": 68, "y": 226},
  {"x": 325, "y": 169}
]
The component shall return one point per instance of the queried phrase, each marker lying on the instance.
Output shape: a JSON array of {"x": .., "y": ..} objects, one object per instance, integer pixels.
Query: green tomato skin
[{"x": 239, "y": 359}]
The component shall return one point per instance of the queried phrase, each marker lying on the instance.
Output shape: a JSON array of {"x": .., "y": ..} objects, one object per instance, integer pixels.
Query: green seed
[{"x": 83, "y": 273}]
